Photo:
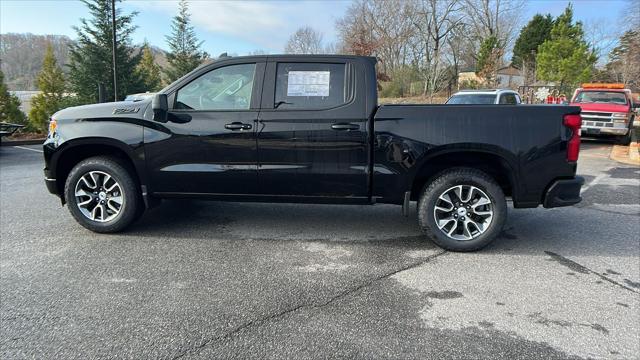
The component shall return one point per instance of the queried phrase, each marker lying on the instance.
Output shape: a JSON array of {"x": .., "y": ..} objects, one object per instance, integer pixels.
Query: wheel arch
[
  {"x": 72, "y": 152},
  {"x": 489, "y": 161}
]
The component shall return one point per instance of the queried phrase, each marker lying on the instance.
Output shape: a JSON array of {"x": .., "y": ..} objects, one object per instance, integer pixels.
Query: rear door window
[
  {"x": 469, "y": 99},
  {"x": 509, "y": 99},
  {"x": 310, "y": 86}
]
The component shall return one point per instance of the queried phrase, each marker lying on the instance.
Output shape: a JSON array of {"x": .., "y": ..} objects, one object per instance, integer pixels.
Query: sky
[{"x": 242, "y": 27}]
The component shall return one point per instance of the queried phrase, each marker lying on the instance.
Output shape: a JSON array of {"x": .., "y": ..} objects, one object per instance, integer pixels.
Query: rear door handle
[
  {"x": 345, "y": 126},
  {"x": 237, "y": 126}
]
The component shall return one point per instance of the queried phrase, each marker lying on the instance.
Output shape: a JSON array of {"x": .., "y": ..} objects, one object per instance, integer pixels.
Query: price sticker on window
[{"x": 308, "y": 83}]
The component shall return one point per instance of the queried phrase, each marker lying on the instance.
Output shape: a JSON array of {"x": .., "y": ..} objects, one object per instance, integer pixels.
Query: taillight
[{"x": 573, "y": 122}]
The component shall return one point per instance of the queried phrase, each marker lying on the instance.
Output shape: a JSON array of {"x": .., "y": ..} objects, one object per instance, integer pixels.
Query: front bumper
[
  {"x": 587, "y": 130},
  {"x": 565, "y": 192},
  {"x": 51, "y": 183}
]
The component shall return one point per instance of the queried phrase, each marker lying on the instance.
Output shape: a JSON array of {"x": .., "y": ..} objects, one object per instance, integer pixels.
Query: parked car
[
  {"x": 308, "y": 129},
  {"x": 8, "y": 129},
  {"x": 607, "y": 109},
  {"x": 489, "y": 96}
]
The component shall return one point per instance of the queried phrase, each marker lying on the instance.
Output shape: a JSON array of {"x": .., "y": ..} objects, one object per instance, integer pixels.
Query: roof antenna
[{"x": 223, "y": 55}]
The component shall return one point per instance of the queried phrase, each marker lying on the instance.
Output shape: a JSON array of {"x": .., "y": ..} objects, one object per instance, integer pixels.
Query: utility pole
[{"x": 113, "y": 50}]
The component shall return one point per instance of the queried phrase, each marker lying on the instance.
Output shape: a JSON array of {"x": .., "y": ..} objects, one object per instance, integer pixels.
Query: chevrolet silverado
[{"x": 308, "y": 128}]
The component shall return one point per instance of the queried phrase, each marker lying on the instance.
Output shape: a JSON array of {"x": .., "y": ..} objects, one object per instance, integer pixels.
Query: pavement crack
[
  {"x": 236, "y": 330},
  {"x": 590, "y": 207},
  {"x": 584, "y": 270},
  {"x": 376, "y": 279},
  {"x": 283, "y": 313}
]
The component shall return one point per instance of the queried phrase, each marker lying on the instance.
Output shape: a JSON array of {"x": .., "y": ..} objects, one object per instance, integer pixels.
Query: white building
[{"x": 25, "y": 99}]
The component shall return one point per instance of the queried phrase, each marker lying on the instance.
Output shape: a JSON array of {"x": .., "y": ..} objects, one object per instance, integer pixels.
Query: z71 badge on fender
[{"x": 126, "y": 110}]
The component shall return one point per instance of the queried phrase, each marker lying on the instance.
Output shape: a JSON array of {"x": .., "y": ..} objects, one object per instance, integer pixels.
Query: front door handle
[
  {"x": 238, "y": 126},
  {"x": 345, "y": 126}
]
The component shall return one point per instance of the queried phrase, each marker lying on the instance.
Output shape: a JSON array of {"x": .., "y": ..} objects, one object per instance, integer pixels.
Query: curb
[
  {"x": 634, "y": 148},
  {"x": 627, "y": 154},
  {"x": 21, "y": 142}
]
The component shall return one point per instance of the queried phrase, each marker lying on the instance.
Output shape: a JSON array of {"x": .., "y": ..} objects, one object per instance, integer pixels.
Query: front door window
[{"x": 226, "y": 88}]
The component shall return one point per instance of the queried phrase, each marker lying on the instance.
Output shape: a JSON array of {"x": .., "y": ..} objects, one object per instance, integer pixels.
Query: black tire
[
  {"x": 624, "y": 139},
  {"x": 131, "y": 207},
  {"x": 466, "y": 177}
]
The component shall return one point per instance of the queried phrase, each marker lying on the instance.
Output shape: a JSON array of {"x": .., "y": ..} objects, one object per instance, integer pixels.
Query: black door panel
[
  {"x": 310, "y": 158},
  {"x": 215, "y": 152},
  {"x": 202, "y": 156},
  {"x": 318, "y": 152}
]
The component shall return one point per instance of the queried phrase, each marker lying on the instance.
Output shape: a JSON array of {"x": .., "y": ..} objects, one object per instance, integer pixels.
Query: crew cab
[
  {"x": 607, "y": 109},
  {"x": 488, "y": 96},
  {"x": 308, "y": 129}
]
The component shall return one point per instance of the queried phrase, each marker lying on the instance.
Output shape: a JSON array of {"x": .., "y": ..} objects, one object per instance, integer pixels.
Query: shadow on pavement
[{"x": 569, "y": 231}]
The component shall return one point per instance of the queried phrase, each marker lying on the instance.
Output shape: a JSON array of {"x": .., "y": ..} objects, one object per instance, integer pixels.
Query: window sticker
[{"x": 308, "y": 83}]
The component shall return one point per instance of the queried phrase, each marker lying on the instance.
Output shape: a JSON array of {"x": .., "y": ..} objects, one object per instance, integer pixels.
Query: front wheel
[
  {"x": 102, "y": 195},
  {"x": 624, "y": 139},
  {"x": 463, "y": 209}
]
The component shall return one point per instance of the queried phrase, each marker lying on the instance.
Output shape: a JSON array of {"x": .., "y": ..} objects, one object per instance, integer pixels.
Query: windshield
[
  {"x": 472, "y": 99},
  {"x": 603, "y": 97}
]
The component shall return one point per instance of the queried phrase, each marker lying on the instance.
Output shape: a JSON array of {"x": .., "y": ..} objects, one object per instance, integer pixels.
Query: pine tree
[
  {"x": 52, "y": 86},
  {"x": 185, "y": 54},
  {"x": 9, "y": 105},
  {"x": 148, "y": 70},
  {"x": 91, "y": 56},
  {"x": 489, "y": 58},
  {"x": 565, "y": 58},
  {"x": 537, "y": 31}
]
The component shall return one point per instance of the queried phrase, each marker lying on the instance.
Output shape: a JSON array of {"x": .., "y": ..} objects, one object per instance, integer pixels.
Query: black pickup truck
[{"x": 309, "y": 129}]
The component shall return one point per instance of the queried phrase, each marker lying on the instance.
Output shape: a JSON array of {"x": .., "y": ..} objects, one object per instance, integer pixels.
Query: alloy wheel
[
  {"x": 463, "y": 212},
  {"x": 99, "y": 196}
]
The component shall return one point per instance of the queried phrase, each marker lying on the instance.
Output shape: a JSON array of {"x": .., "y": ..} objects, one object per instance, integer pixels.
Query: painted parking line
[
  {"x": 26, "y": 148},
  {"x": 595, "y": 180}
]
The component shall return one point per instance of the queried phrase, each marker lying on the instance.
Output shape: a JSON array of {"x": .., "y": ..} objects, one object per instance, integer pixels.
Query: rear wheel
[
  {"x": 463, "y": 209},
  {"x": 102, "y": 195}
]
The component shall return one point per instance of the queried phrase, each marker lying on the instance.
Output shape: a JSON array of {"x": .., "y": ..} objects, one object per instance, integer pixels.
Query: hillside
[{"x": 21, "y": 57}]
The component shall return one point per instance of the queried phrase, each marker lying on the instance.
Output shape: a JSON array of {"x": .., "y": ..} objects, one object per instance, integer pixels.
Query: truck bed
[{"x": 530, "y": 139}]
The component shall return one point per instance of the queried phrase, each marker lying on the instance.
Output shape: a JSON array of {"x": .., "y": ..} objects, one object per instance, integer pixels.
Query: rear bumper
[{"x": 565, "y": 192}]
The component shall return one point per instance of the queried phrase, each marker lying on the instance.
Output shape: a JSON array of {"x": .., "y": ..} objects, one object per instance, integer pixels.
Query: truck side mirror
[{"x": 160, "y": 107}]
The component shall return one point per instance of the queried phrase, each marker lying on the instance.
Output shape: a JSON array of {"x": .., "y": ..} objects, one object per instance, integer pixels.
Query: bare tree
[
  {"x": 625, "y": 59},
  {"x": 381, "y": 28},
  {"x": 331, "y": 48},
  {"x": 436, "y": 20},
  {"x": 601, "y": 37},
  {"x": 426, "y": 41},
  {"x": 631, "y": 16},
  {"x": 499, "y": 18},
  {"x": 455, "y": 50},
  {"x": 354, "y": 31},
  {"x": 391, "y": 25},
  {"x": 305, "y": 40}
]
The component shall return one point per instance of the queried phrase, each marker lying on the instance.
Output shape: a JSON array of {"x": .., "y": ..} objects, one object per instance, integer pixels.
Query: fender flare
[
  {"x": 492, "y": 150},
  {"x": 135, "y": 154}
]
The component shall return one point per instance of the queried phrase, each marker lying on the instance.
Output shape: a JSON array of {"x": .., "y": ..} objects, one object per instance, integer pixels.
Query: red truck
[{"x": 607, "y": 109}]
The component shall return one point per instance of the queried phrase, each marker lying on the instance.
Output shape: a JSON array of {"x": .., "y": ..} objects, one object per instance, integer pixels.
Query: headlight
[
  {"x": 53, "y": 125},
  {"x": 619, "y": 115}
]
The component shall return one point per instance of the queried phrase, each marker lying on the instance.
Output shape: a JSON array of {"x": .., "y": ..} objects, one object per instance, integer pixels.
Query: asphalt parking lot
[{"x": 240, "y": 280}]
